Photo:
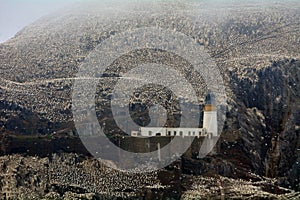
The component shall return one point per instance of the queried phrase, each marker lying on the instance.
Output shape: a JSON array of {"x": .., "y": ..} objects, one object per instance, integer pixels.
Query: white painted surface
[
  {"x": 210, "y": 122},
  {"x": 161, "y": 131}
]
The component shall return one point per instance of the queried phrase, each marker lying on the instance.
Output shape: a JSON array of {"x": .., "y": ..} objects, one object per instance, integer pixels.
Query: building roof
[{"x": 210, "y": 98}]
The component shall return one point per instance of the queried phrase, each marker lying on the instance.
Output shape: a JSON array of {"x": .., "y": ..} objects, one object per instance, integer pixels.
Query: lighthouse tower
[{"x": 210, "y": 122}]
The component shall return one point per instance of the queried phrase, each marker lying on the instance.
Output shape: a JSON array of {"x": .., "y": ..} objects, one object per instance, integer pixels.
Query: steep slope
[{"x": 256, "y": 47}]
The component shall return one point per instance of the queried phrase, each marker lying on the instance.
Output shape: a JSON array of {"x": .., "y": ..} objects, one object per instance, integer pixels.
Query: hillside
[{"x": 255, "y": 47}]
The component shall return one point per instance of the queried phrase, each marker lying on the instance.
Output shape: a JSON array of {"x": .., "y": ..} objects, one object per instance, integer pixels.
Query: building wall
[
  {"x": 153, "y": 131},
  {"x": 157, "y": 131},
  {"x": 210, "y": 122}
]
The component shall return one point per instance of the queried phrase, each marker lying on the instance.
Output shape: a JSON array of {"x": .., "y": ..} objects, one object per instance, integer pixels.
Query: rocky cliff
[{"x": 256, "y": 48}]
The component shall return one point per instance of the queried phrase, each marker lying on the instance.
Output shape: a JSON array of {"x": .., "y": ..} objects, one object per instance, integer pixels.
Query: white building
[
  {"x": 210, "y": 125},
  {"x": 161, "y": 131},
  {"x": 210, "y": 122}
]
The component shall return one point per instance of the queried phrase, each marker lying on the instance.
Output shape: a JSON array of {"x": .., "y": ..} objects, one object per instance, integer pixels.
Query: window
[
  {"x": 180, "y": 133},
  {"x": 189, "y": 133},
  {"x": 169, "y": 132},
  {"x": 150, "y": 133},
  {"x": 174, "y": 133},
  {"x": 193, "y": 132}
]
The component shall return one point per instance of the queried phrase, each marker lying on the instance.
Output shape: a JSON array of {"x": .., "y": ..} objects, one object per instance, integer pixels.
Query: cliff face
[
  {"x": 267, "y": 120},
  {"x": 261, "y": 133}
]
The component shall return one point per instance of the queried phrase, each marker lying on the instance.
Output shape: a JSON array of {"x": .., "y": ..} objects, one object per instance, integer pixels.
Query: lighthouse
[{"x": 210, "y": 122}]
